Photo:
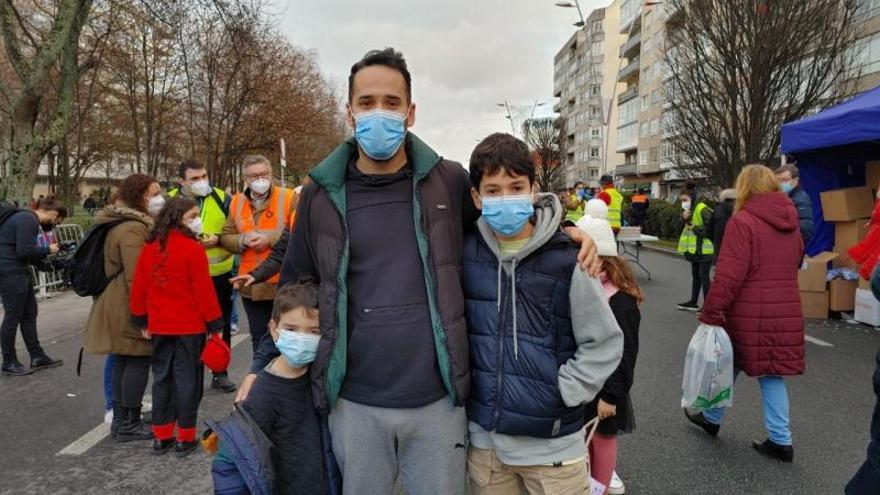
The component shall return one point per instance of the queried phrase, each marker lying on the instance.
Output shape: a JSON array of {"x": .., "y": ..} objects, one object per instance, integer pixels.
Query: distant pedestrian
[
  {"x": 19, "y": 249},
  {"x": 696, "y": 245},
  {"x": 173, "y": 303},
  {"x": 789, "y": 181},
  {"x": 612, "y": 197},
  {"x": 613, "y": 405},
  {"x": 90, "y": 205},
  {"x": 720, "y": 217},
  {"x": 109, "y": 329},
  {"x": 640, "y": 204},
  {"x": 755, "y": 299}
]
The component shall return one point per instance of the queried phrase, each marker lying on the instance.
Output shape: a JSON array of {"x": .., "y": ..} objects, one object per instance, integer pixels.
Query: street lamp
[
  {"x": 509, "y": 116},
  {"x": 576, "y": 5}
]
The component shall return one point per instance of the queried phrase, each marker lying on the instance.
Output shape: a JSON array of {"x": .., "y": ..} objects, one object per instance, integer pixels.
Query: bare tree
[
  {"x": 42, "y": 47},
  {"x": 741, "y": 68},
  {"x": 545, "y": 138}
]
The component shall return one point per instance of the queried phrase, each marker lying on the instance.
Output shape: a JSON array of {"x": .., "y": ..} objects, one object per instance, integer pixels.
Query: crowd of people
[{"x": 409, "y": 319}]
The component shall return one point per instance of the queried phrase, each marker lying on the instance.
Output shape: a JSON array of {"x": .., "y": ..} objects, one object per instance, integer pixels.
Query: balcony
[
  {"x": 627, "y": 169},
  {"x": 632, "y": 24},
  {"x": 629, "y": 94},
  {"x": 649, "y": 168},
  {"x": 631, "y": 69},
  {"x": 631, "y": 47}
]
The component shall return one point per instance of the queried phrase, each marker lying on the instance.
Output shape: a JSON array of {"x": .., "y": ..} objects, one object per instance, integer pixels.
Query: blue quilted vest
[{"x": 519, "y": 394}]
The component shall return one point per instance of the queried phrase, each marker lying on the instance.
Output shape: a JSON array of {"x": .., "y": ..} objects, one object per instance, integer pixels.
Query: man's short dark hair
[
  {"x": 606, "y": 179},
  {"x": 501, "y": 151},
  {"x": 188, "y": 165},
  {"x": 790, "y": 168},
  {"x": 388, "y": 57},
  {"x": 303, "y": 294},
  {"x": 579, "y": 183},
  {"x": 52, "y": 204}
]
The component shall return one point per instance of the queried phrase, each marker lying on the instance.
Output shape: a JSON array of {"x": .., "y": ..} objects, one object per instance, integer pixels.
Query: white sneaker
[
  {"x": 108, "y": 416},
  {"x": 616, "y": 487}
]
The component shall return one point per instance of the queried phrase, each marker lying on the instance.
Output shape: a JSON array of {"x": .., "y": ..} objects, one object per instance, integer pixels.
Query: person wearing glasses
[{"x": 257, "y": 218}]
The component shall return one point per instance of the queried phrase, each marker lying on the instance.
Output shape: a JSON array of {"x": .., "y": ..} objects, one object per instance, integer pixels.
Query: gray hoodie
[{"x": 599, "y": 339}]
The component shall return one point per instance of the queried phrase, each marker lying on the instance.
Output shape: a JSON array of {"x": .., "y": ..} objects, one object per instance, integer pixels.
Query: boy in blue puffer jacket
[
  {"x": 276, "y": 442},
  {"x": 543, "y": 339}
]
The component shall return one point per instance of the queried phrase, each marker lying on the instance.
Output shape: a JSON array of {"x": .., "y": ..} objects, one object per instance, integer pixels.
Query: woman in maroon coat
[{"x": 755, "y": 298}]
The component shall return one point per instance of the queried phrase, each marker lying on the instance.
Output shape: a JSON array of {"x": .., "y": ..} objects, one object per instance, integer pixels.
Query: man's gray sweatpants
[{"x": 426, "y": 445}]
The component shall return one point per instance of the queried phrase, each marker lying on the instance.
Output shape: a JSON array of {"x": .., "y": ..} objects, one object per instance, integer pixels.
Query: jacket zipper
[
  {"x": 502, "y": 324},
  {"x": 342, "y": 250}
]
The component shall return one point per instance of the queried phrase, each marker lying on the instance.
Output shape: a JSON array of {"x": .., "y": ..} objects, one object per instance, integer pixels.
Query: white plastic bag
[{"x": 708, "y": 370}]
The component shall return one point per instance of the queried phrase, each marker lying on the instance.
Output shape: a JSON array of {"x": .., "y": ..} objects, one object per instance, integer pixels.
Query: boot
[
  {"x": 773, "y": 450},
  {"x": 221, "y": 383},
  {"x": 118, "y": 418},
  {"x": 14, "y": 368},
  {"x": 133, "y": 429},
  {"x": 161, "y": 447},
  {"x": 43, "y": 362},
  {"x": 696, "y": 417}
]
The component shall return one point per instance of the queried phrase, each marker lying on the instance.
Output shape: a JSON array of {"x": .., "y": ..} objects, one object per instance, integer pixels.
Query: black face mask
[{"x": 47, "y": 227}]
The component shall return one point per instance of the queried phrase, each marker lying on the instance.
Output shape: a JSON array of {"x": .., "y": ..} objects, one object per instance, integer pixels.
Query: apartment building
[
  {"x": 868, "y": 45},
  {"x": 585, "y": 81}
]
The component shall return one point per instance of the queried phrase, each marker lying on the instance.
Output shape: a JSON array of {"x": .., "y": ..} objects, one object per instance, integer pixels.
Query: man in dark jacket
[
  {"x": 789, "y": 182},
  {"x": 381, "y": 229},
  {"x": 18, "y": 250},
  {"x": 720, "y": 217}
]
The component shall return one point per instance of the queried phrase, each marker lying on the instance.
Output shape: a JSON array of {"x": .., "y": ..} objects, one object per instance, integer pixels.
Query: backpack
[
  {"x": 6, "y": 211},
  {"x": 85, "y": 270}
]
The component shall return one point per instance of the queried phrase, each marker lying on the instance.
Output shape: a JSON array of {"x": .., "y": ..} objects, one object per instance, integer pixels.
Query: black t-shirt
[
  {"x": 392, "y": 359},
  {"x": 283, "y": 409}
]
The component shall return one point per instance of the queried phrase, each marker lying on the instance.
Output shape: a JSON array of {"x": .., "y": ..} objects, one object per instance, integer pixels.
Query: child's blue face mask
[
  {"x": 507, "y": 215},
  {"x": 299, "y": 349}
]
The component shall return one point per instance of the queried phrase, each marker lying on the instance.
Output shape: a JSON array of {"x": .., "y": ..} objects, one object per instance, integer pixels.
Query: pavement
[{"x": 56, "y": 411}]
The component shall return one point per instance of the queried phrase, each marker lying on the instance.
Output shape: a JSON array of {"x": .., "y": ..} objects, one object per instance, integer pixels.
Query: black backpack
[{"x": 85, "y": 270}]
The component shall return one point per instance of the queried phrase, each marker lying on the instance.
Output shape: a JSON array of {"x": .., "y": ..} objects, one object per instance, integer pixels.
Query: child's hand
[
  {"x": 605, "y": 410},
  {"x": 245, "y": 388}
]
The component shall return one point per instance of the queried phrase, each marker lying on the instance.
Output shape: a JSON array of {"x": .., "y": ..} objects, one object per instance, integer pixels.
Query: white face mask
[
  {"x": 686, "y": 205},
  {"x": 201, "y": 188},
  {"x": 260, "y": 186},
  {"x": 155, "y": 205},
  {"x": 195, "y": 225}
]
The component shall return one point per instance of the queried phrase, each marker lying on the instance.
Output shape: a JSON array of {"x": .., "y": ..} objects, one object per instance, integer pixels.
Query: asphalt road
[{"x": 53, "y": 411}]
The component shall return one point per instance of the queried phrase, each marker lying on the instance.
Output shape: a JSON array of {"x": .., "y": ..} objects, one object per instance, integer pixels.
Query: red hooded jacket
[
  {"x": 754, "y": 295},
  {"x": 172, "y": 292}
]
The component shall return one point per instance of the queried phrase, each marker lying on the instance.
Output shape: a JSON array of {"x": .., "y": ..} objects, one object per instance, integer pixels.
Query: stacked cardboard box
[
  {"x": 849, "y": 209},
  {"x": 813, "y": 285}
]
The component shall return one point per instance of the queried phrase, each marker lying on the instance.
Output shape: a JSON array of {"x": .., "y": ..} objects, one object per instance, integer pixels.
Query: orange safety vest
[
  {"x": 639, "y": 198},
  {"x": 271, "y": 221}
]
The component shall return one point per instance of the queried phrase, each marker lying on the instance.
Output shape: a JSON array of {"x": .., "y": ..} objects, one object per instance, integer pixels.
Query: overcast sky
[{"x": 464, "y": 55}]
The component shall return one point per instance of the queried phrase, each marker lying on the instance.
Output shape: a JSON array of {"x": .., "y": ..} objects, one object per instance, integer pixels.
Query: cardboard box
[
  {"x": 867, "y": 308},
  {"x": 848, "y": 234},
  {"x": 815, "y": 305},
  {"x": 872, "y": 175},
  {"x": 842, "y": 295},
  {"x": 812, "y": 275},
  {"x": 844, "y": 205}
]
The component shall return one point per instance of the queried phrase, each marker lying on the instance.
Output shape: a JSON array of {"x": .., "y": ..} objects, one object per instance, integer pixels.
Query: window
[
  {"x": 647, "y": 19},
  {"x": 627, "y": 135},
  {"x": 643, "y": 157},
  {"x": 595, "y": 133},
  {"x": 655, "y": 97},
  {"x": 595, "y": 90},
  {"x": 868, "y": 8},
  {"x": 594, "y": 172},
  {"x": 654, "y": 154},
  {"x": 596, "y": 48},
  {"x": 629, "y": 10},
  {"x": 646, "y": 102},
  {"x": 594, "y": 152},
  {"x": 594, "y": 111},
  {"x": 645, "y": 128},
  {"x": 655, "y": 127},
  {"x": 868, "y": 56},
  {"x": 629, "y": 112},
  {"x": 597, "y": 27}
]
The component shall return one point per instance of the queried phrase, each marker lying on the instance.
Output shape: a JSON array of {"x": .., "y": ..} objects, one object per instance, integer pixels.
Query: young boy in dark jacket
[
  {"x": 280, "y": 402},
  {"x": 543, "y": 339}
]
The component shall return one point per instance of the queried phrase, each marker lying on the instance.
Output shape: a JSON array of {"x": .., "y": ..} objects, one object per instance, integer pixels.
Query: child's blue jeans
[{"x": 774, "y": 395}]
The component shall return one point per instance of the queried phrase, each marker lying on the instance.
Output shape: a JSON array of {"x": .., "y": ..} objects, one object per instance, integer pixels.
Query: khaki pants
[{"x": 489, "y": 476}]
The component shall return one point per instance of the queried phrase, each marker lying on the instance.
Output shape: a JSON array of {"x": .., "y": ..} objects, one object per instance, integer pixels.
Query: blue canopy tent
[{"x": 831, "y": 149}]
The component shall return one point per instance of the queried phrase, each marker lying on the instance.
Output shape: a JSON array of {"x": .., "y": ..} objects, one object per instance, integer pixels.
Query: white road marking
[
  {"x": 82, "y": 444},
  {"x": 818, "y": 342}
]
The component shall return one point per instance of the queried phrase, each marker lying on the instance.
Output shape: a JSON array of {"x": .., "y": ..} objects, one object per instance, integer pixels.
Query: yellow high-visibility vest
[{"x": 687, "y": 243}]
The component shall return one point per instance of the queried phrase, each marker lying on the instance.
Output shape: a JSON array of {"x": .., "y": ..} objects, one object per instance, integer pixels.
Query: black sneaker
[
  {"x": 222, "y": 384},
  {"x": 45, "y": 362},
  {"x": 161, "y": 447},
  {"x": 689, "y": 306},
  {"x": 696, "y": 417},
  {"x": 14, "y": 368},
  {"x": 784, "y": 453},
  {"x": 183, "y": 449}
]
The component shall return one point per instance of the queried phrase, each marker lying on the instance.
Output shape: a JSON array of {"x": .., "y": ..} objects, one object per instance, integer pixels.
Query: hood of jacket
[
  {"x": 775, "y": 209},
  {"x": 119, "y": 212},
  {"x": 548, "y": 218},
  {"x": 728, "y": 194}
]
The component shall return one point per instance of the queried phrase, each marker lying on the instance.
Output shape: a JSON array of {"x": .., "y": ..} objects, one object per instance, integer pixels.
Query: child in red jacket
[{"x": 173, "y": 302}]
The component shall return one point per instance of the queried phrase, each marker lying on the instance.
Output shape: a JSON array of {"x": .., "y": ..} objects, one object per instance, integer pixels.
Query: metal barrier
[
  {"x": 68, "y": 232},
  {"x": 46, "y": 282}
]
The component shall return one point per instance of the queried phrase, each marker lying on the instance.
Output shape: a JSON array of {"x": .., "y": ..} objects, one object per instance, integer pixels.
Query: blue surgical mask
[
  {"x": 507, "y": 215},
  {"x": 380, "y": 133},
  {"x": 298, "y": 348},
  {"x": 786, "y": 187}
]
